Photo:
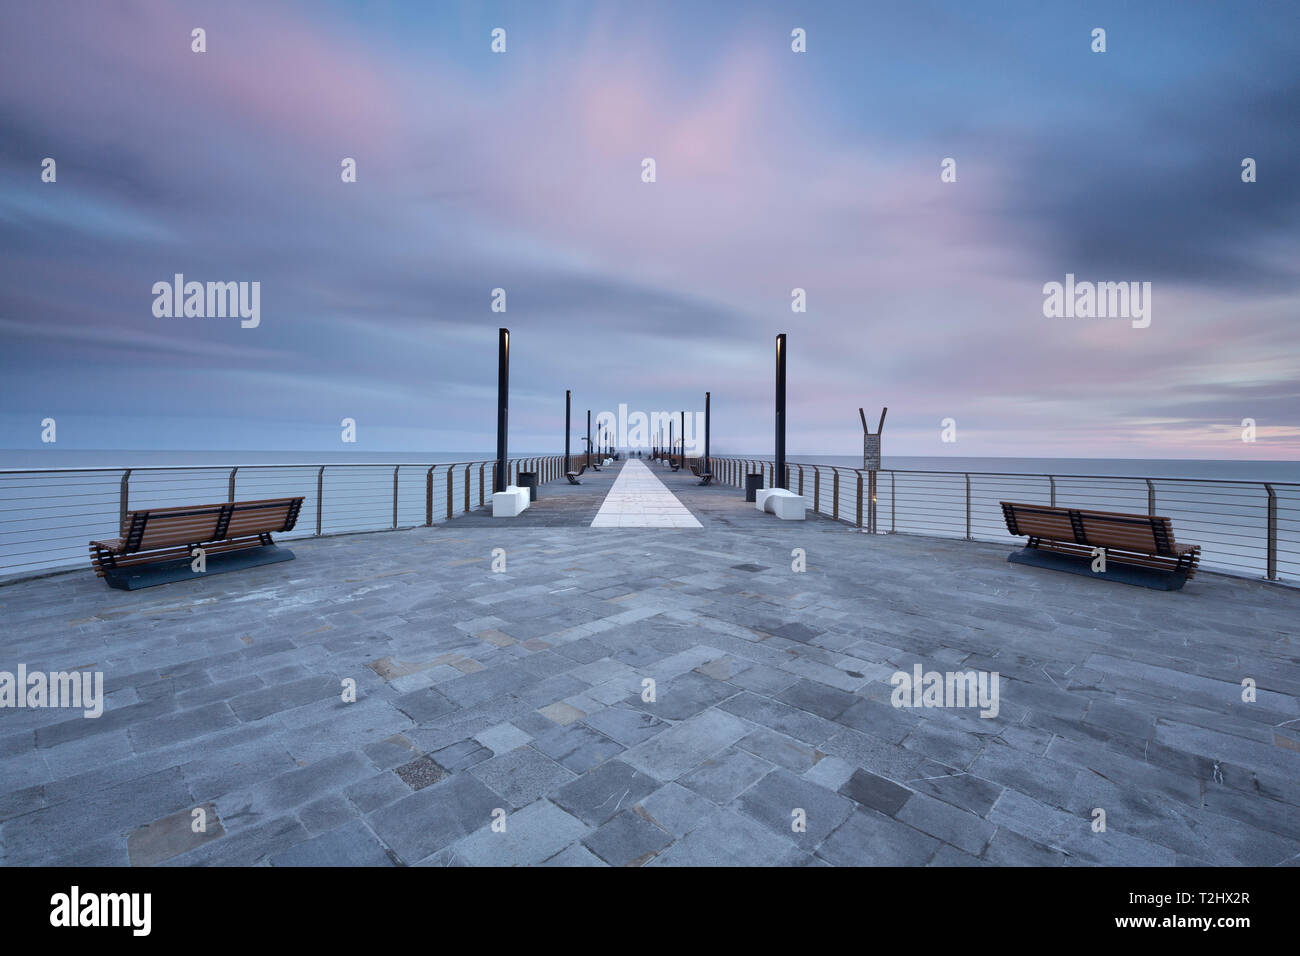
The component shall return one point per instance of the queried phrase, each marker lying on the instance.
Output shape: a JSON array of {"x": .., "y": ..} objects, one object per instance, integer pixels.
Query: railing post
[
  {"x": 817, "y": 489},
  {"x": 1151, "y": 497},
  {"x": 859, "y": 498},
  {"x": 968, "y": 507},
  {"x": 481, "y": 488},
  {"x": 1272, "y": 532},
  {"x": 428, "y": 496},
  {"x": 124, "y": 498},
  {"x": 1052, "y": 481},
  {"x": 800, "y": 467},
  {"x": 467, "y": 468},
  {"x": 396, "y": 469},
  {"x": 451, "y": 484},
  {"x": 893, "y": 499},
  {"x": 320, "y": 496},
  {"x": 230, "y": 492},
  {"x": 835, "y": 491}
]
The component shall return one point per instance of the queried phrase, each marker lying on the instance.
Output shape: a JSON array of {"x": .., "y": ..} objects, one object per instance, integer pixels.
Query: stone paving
[{"x": 771, "y": 739}]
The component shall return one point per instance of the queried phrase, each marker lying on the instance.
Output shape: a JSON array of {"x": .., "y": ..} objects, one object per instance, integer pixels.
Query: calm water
[{"x": 1136, "y": 467}]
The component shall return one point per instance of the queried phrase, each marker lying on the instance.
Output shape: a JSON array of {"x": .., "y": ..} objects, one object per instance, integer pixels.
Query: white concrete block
[
  {"x": 513, "y": 501},
  {"x": 782, "y": 502}
]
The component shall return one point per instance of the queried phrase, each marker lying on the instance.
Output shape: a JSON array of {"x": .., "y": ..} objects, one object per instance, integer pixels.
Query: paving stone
[
  {"x": 598, "y": 794},
  {"x": 724, "y": 668},
  {"x": 781, "y": 750},
  {"x": 461, "y": 755},
  {"x": 629, "y": 839},
  {"x": 726, "y": 775},
  {"x": 683, "y": 696},
  {"x": 474, "y": 689},
  {"x": 502, "y": 738},
  {"x": 561, "y": 713},
  {"x": 577, "y": 747},
  {"x": 876, "y": 792},
  {"x": 521, "y": 776},
  {"x": 817, "y": 698},
  {"x": 390, "y": 752},
  {"x": 248, "y": 847},
  {"x": 575, "y": 855},
  {"x": 829, "y": 772},
  {"x": 953, "y": 826},
  {"x": 113, "y": 810},
  {"x": 677, "y": 750},
  {"x": 173, "y": 835},
  {"x": 780, "y": 717},
  {"x": 676, "y": 809},
  {"x": 420, "y": 773},
  {"x": 424, "y": 706},
  {"x": 773, "y": 800},
  {"x": 377, "y": 791},
  {"x": 868, "y": 838},
  {"x": 626, "y": 726},
  {"x": 349, "y": 845},
  {"x": 435, "y": 817},
  {"x": 1009, "y": 848},
  {"x": 265, "y": 701},
  {"x": 951, "y": 856},
  {"x": 327, "y": 813},
  {"x": 533, "y": 834},
  {"x": 725, "y": 838}
]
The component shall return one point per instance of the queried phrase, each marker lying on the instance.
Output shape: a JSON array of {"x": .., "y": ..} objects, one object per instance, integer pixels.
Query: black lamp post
[
  {"x": 778, "y": 479},
  {"x": 503, "y": 407},
  {"x": 567, "y": 404},
  {"x": 589, "y": 438},
  {"x": 707, "y": 469}
]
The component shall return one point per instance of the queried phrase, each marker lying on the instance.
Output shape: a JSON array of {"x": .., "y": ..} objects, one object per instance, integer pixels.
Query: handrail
[
  {"x": 1243, "y": 525},
  {"x": 49, "y": 532}
]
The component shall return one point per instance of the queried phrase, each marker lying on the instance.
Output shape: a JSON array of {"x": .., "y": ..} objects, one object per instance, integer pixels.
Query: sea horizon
[{"x": 1230, "y": 469}]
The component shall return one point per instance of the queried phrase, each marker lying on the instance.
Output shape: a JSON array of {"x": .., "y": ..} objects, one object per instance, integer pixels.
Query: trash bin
[
  {"x": 528, "y": 479},
  {"x": 753, "y": 481}
]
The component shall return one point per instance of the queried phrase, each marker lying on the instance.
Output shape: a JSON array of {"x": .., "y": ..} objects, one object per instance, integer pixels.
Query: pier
[{"x": 500, "y": 670}]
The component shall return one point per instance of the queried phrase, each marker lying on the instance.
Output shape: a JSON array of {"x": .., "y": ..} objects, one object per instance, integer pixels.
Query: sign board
[{"x": 871, "y": 452}]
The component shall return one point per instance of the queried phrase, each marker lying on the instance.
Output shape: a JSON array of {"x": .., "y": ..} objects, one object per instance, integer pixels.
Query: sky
[{"x": 775, "y": 170}]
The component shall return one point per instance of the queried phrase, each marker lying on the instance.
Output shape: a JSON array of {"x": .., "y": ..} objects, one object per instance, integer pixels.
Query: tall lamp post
[
  {"x": 707, "y": 468},
  {"x": 778, "y": 479},
  {"x": 503, "y": 407},
  {"x": 568, "y": 396}
]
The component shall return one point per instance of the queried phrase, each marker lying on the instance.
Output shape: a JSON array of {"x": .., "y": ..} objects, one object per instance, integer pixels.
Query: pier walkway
[{"x": 771, "y": 646}]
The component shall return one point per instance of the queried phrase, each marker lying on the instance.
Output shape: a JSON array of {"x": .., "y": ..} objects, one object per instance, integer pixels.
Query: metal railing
[
  {"x": 1249, "y": 528},
  {"x": 47, "y": 516}
]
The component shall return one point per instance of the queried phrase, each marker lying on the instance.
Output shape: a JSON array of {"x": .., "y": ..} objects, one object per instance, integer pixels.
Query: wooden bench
[
  {"x": 574, "y": 475},
  {"x": 1141, "y": 547},
  {"x": 156, "y": 544},
  {"x": 704, "y": 476}
]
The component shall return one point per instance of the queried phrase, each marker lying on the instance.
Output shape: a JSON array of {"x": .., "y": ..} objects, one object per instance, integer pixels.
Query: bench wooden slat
[
  {"x": 151, "y": 535},
  {"x": 1145, "y": 541}
]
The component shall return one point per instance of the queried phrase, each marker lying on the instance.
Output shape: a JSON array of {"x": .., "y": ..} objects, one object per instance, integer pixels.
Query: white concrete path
[{"x": 638, "y": 499}]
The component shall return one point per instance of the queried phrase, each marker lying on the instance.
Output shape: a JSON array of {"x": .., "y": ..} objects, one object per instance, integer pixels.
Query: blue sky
[{"x": 775, "y": 170}]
